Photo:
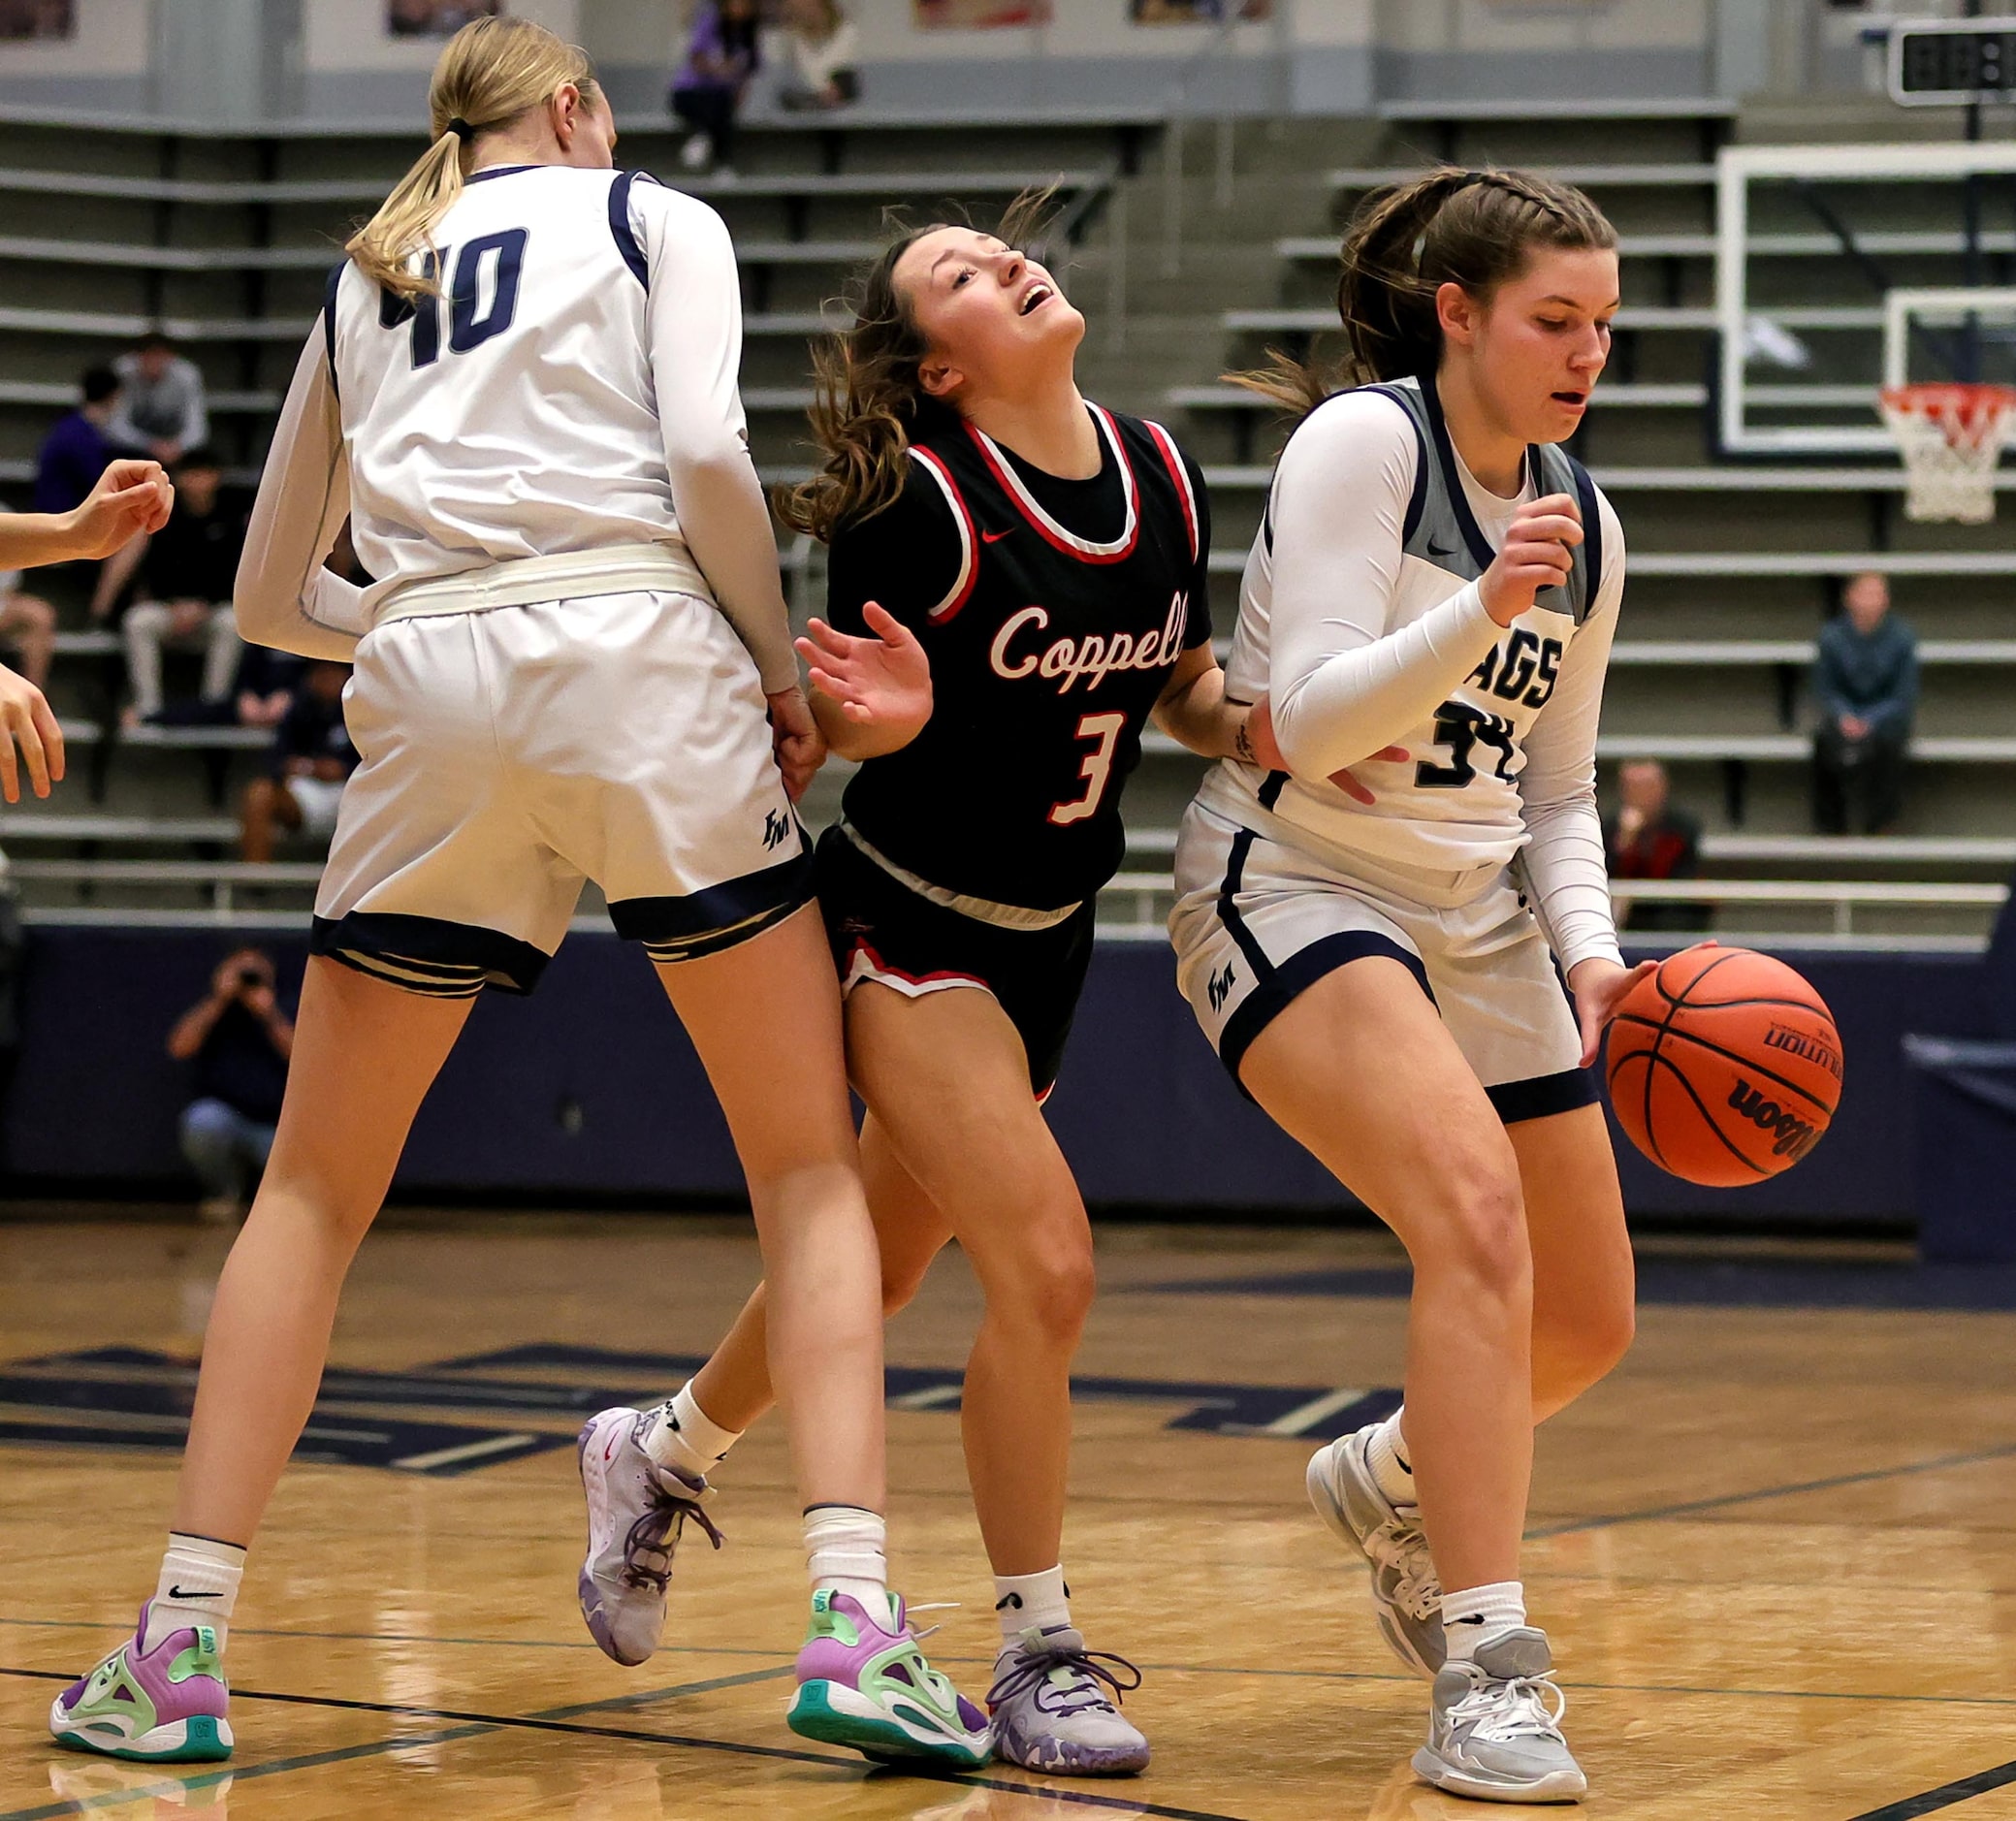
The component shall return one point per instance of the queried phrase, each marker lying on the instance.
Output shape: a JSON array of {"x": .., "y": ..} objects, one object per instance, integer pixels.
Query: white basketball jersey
[{"x": 515, "y": 415}]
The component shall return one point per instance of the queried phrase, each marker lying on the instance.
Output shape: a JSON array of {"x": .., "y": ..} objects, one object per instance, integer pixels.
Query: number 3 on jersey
[
  {"x": 1096, "y": 768},
  {"x": 498, "y": 257}
]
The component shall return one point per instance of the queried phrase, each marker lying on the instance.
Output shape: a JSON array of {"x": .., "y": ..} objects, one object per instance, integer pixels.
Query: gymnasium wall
[
  {"x": 589, "y": 1087},
  {"x": 236, "y": 62}
]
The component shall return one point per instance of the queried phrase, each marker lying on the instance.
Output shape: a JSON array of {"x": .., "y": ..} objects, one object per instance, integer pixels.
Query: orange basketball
[{"x": 1724, "y": 1066}]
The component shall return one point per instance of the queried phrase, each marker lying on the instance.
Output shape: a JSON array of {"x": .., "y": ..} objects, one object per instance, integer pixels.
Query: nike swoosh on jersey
[{"x": 994, "y": 537}]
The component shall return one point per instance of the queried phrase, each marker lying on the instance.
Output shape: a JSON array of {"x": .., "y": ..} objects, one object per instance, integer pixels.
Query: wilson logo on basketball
[
  {"x": 1810, "y": 1048},
  {"x": 1793, "y": 1137}
]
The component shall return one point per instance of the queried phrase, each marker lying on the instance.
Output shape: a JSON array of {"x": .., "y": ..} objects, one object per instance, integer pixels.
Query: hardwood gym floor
[{"x": 1776, "y": 1551}]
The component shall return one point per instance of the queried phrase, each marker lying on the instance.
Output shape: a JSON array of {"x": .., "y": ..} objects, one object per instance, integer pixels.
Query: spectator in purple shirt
[
  {"x": 721, "y": 57},
  {"x": 76, "y": 452}
]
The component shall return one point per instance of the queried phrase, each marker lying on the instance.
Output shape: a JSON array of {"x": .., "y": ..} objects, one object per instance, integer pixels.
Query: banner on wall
[
  {"x": 1198, "y": 12},
  {"x": 968, "y": 15},
  {"x": 436, "y": 19},
  {"x": 38, "y": 19}
]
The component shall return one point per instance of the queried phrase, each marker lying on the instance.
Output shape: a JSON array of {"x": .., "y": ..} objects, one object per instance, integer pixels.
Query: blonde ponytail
[{"x": 488, "y": 75}]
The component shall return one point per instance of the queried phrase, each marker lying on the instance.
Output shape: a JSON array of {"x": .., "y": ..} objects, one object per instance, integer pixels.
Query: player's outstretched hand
[
  {"x": 795, "y": 739},
  {"x": 26, "y": 721},
  {"x": 131, "y": 497},
  {"x": 1265, "y": 750},
  {"x": 1539, "y": 552},
  {"x": 1599, "y": 988},
  {"x": 883, "y": 682}
]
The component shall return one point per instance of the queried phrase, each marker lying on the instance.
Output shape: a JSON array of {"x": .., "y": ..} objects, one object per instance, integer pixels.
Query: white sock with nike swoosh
[
  {"x": 199, "y": 1586},
  {"x": 1475, "y": 1617}
]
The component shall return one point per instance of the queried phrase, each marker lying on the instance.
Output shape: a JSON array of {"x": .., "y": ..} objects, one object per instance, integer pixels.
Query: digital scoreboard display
[{"x": 1942, "y": 64}]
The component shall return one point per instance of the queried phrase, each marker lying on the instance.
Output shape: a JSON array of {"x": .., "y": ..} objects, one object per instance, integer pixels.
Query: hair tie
[{"x": 461, "y": 128}]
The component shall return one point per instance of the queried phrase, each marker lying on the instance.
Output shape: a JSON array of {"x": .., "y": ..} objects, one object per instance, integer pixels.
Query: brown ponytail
[
  {"x": 488, "y": 74},
  {"x": 1449, "y": 226},
  {"x": 867, "y": 399}
]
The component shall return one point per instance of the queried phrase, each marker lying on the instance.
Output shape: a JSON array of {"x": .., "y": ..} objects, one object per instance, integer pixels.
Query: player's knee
[
  {"x": 1590, "y": 1339},
  {"x": 1052, "y": 1292},
  {"x": 1486, "y": 1231}
]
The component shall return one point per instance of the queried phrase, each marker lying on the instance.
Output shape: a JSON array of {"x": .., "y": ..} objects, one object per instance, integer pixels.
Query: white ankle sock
[
  {"x": 199, "y": 1586},
  {"x": 845, "y": 1550},
  {"x": 1475, "y": 1617},
  {"x": 1386, "y": 1454},
  {"x": 1022, "y": 1601},
  {"x": 683, "y": 1435}
]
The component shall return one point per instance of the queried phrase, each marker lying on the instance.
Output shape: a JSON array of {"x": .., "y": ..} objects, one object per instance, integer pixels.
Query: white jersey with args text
[
  {"x": 571, "y": 391},
  {"x": 1360, "y": 617}
]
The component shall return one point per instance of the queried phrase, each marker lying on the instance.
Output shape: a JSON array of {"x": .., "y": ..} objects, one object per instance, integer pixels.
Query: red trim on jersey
[
  {"x": 961, "y": 590},
  {"x": 1085, "y": 548},
  {"x": 1178, "y": 473}
]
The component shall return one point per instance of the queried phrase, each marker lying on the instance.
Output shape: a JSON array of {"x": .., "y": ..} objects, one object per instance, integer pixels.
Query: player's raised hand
[
  {"x": 1265, "y": 750},
  {"x": 28, "y": 722},
  {"x": 1539, "y": 552},
  {"x": 883, "y": 682},
  {"x": 795, "y": 739},
  {"x": 131, "y": 497}
]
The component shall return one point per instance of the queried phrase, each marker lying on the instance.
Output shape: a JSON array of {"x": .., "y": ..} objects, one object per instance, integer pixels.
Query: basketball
[{"x": 1724, "y": 1066}]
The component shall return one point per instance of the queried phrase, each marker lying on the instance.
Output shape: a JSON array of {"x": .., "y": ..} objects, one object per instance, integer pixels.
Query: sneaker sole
[
  {"x": 836, "y": 1714},
  {"x": 1323, "y": 1496},
  {"x": 203, "y": 1740},
  {"x": 1562, "y": 1786},
  {"x": 1062, "y": 1757}
]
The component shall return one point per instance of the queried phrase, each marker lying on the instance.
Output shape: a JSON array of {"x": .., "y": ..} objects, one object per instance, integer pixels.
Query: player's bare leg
[
  {"x": 1585, "y": 1282},
  {"x": 365, "y": 1054}
]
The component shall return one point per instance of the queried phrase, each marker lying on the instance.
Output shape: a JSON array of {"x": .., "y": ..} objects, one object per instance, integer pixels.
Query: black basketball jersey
[{"x": 1052, "y": 612}]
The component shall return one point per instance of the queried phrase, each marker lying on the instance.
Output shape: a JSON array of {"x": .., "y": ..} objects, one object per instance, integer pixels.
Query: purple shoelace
[
  {"x": 662, "y": 1519},
  {"x": 1034, "y": 1668}
]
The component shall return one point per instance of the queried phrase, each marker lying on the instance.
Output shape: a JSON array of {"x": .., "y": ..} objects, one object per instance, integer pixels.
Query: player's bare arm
[{"x": 130, "y": 497}]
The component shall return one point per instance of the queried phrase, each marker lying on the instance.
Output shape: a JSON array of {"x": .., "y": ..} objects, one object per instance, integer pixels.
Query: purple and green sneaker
[
  {"x": 863, "y": 1682},
  {"x": 165, "y": 1706}
]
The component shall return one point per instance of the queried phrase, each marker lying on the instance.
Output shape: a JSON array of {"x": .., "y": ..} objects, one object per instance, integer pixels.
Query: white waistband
[
  {"x": 617, "y": 569},
  {"x": 1007, "y": 917}
]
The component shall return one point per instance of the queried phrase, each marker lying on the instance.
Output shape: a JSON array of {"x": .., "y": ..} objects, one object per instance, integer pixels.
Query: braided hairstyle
[{"x": 1449, "y": 226}]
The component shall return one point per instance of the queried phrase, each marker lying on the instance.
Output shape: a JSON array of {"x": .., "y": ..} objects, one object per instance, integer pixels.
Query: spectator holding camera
[
  {"x": 312, "y": 758},
  {"x": 239, "y": 1040}
]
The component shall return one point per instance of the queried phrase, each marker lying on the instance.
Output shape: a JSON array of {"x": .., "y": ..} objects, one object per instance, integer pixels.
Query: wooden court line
[
  {"x": 1653, "y": 1514},
  {"x": 1946, "y": 1796},
  {"x": 475, "y": 1725}
]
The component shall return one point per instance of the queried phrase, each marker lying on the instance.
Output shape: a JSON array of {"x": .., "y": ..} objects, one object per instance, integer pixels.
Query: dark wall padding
[{"x": 590, "y": 1086}]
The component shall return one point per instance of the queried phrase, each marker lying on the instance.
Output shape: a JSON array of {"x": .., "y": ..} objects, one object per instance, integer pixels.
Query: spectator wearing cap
[
  {"x": 1650, "y": 839},
  {"x": 75, "y": 453},
  {"x": 162, "y": 411},
  {"x": 1865, "y": 683},
  {"x": 311, "y": 759},
  {"x": 187, "y": 573}
]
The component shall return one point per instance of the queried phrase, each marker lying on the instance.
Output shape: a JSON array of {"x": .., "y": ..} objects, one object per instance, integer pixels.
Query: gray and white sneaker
[
  {"x": 1052, "y": 1712},
  {"x": 1494, "y": 1726},
  {"x": 1407, "y": 1595},
  {"x": 636, "y": 1509}
]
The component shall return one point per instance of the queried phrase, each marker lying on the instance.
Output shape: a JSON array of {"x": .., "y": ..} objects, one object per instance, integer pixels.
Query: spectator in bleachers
[
  {"x": 162, "y": 411},
  {"x": 187, "y": 575},
  {"x": 721, "y": 57},
  {"x": 822, "y": 72},
  {"x": 312, "y": 757},
  {"x": 1650, "y": 839},
  {"x": 260, "y": 697},
  {"x": 76, "y": 452},
  {"x": 241, "y": 1042},
  {"x": 28, "y": 624},
  {"x": 1866, "y": 681}
]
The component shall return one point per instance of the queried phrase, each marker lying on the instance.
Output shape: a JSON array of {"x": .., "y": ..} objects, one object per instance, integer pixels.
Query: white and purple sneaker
[
  {"x": 636, "y": 1509},
  {"x": 1052, "y": 1711},
  {"x": 165, "y": 1706}
]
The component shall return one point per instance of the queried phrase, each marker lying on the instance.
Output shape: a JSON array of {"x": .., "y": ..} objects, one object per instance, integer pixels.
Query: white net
[{"x": 1951, "y": 437}]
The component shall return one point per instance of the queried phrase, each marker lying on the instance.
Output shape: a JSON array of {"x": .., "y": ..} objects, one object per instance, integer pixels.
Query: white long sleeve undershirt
[{"x": 1347, "y": 678}]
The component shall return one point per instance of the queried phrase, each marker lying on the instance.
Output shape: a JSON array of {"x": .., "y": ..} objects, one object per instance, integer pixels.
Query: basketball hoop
[{"x": 1951, "y": 437}]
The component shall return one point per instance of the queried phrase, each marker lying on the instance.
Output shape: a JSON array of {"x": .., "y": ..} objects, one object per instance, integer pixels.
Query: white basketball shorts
[
  {"x": 509, "y": 754},
  {"x": 1258, "y": 922}
]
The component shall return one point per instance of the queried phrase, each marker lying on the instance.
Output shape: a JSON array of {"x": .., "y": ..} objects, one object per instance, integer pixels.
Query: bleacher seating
[{"x": 224, "y": 242}]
